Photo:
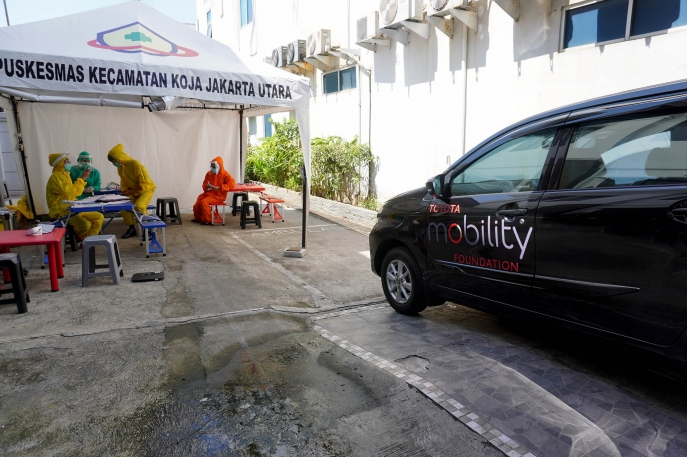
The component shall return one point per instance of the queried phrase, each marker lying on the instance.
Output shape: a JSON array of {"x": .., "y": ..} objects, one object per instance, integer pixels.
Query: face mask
[
  {"x": 67, "y": 166},
  {"x": 214, "y": 167},
  {"x": 117, "y": 165}
]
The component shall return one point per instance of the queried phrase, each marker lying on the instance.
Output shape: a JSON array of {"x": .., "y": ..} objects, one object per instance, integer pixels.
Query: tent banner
[
  {"x": 131, "y": 49},
  {"x": 73, "y": 75}
]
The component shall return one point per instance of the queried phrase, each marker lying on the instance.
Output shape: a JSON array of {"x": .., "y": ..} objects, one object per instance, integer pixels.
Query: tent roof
[{"x": 130, "y": 49}]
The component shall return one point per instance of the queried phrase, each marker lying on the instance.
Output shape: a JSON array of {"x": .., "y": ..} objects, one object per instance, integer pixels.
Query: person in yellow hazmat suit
[
  {"x": 60, "y": 188},
  {"x": 135, "y": 182}
]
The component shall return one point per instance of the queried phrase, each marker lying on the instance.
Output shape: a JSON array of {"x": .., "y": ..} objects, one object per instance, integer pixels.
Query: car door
[
  {"x": 611, "y": 233},
  {"x": 480, "y": 236}
]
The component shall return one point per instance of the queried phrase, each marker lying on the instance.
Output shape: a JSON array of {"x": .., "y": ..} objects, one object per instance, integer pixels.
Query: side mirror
[{"x": 435, "y": 186}]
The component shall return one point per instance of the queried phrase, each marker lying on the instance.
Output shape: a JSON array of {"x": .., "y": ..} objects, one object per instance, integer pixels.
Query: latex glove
[{"x": 88, "y": 190}]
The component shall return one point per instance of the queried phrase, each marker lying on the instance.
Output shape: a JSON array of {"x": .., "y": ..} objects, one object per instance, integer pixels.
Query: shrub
[{"x": 340, "y": 169}]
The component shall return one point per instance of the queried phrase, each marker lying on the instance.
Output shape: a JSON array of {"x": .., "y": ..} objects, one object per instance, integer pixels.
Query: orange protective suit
[{"x": 201, "y": 209}]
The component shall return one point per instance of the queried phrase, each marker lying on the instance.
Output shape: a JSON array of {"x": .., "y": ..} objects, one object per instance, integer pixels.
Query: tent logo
[{"x": 136, "y": 37}]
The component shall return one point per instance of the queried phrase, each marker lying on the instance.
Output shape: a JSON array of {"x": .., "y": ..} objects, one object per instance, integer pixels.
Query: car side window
[
  {"x": 515, "y": 166},
  {"x": 641, "y": 151}
]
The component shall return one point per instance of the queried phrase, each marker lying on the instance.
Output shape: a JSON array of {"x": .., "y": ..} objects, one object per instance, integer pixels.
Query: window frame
[
  {"x": 338, "y": 79},
  {"x": 535, "y": 129},
  {"x": 628, "y": 27},
  {"x": 624, "y": 114},
  {"x": 248, "y": 22}
]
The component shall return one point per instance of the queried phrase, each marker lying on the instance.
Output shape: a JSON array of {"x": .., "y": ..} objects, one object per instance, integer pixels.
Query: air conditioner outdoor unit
[
  {"x": 368, "y": 28},
  {"x": 442, "y": 7},
  {"x": 318, "y": 43},
  {"x": 279, "y": 56},
  {"x": 296, "y": 52},
  {"x": 392, "y": 13}
]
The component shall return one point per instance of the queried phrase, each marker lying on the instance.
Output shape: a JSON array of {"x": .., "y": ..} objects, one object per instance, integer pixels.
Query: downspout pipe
[{"x": 465, "y": 84}]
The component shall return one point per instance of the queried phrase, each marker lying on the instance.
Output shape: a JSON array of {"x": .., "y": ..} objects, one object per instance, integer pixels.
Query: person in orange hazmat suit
[{"x": 217, "y": 183}]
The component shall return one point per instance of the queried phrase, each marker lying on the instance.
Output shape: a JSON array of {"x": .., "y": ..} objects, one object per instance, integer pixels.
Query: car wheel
[{"x": 402, "y": 282}]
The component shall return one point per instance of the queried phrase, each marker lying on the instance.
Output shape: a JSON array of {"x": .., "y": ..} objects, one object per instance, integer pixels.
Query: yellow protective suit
[
  {"x": 133, "y": 176},
  {"x": 59, "y": 188}
]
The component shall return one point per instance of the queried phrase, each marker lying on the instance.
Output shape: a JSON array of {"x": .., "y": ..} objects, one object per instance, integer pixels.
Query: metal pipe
[
  {"x": 29, "y": 194},
  {"x": 465, "y": 84},
  {"x": 71, "y": 100},
  {"x": 7, "y": 16},
  {"x": 241, "y": 167}
]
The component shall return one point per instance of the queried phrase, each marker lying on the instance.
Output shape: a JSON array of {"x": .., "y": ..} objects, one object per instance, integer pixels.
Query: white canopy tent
[{"x": 121, "y": 59}]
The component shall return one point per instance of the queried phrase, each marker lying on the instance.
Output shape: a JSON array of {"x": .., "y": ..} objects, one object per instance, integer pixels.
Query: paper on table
[
  {"x": 112, "y": 198},
  {"x": 46, "y": 228}
]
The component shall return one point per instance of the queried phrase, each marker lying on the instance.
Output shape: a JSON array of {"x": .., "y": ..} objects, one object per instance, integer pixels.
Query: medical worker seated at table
[
  {"x": 217, "y": 183},
  {"x": 135, "y": 183},
  {"x": 60, "y": 187},
  {"x": 92, "y": 181}
]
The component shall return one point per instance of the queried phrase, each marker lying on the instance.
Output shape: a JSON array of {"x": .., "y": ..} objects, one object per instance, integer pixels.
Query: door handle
[{"x": 512, "y": 212}]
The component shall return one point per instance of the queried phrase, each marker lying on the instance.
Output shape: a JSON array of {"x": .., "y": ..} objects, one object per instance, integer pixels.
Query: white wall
[
  {"x": 175, "y": 147},
  {"x": 514, "y": 70}
]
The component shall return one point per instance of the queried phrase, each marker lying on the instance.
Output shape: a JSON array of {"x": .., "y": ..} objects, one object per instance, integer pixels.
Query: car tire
[{"x": 402, "y": 282}]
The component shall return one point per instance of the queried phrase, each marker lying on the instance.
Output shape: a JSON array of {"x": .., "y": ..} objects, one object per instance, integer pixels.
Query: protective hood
[
  {"x": 221, "y": 164},
  {"x": 57, "y": 160},
  {"x": 119, "y": 155}
]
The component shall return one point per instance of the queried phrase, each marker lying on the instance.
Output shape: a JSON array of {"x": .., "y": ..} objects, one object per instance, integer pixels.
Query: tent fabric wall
[
  {"x": 175, "y": 147},
  {"x": 12, "y": 127}
]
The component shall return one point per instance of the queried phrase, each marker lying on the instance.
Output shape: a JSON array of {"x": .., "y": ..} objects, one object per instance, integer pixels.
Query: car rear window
[{"x": 643, "y": 151}]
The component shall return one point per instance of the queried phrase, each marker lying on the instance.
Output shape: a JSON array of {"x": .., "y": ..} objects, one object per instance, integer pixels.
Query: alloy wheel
[{"x": 398, "y": 281}]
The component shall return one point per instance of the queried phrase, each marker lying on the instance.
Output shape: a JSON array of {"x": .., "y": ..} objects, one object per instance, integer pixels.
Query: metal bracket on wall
[
  {"x": 419, "y": 28},
  {"x": 316, "y": 63},
  {"x": 349, "y": 55},
  {"x": 511, "y": 7},
  {"x": 371, "y": 43},
  {"x": 467, "y": 17},
  {"x": 442, "y": 24},
  {"x": 399, "y": 36}
]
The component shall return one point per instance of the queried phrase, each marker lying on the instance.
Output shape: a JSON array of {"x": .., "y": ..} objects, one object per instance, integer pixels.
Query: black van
[{"x": 577, "y": 215}]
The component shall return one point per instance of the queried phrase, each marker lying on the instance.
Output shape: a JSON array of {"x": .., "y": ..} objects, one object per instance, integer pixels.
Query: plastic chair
[
  {"x": 235, "y": 206},
  {"x": 114, "y": 262},
  {"x": 245, "y": 210},
  {"x": 12, "y": 263},
  {"x": 173, "y": 204}
]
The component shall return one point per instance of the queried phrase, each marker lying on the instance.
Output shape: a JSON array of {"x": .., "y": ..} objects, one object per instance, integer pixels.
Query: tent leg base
[{"x": 297, "y": 252}]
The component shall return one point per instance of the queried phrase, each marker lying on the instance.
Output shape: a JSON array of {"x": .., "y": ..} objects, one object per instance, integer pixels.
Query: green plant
[
  {"x": 340, "y": 169},
  {"x": 278, "y": 159}
]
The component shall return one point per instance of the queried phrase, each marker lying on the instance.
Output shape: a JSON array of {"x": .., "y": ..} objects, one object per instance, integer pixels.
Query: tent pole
[
  {"x": 241, "y": 170},
  {"x": 29, "y": 194}
]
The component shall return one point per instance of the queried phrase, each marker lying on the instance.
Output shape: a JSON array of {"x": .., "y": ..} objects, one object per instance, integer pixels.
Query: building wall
[{"x": 514, "y": 70}]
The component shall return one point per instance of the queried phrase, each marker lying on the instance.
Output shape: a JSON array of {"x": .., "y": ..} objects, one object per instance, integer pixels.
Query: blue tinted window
[
  {"x": 649, "y": 16},
  {"x": 268, "y": 126},
  {"x": 246, "y": 12},
  {"x": 595, "y": 23},
  {"x": 347, "y": 78},
  {"x": 209, "y": 31},
  {"x": 331, "y": 82},
  {"x": 209, "y": 16}
]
